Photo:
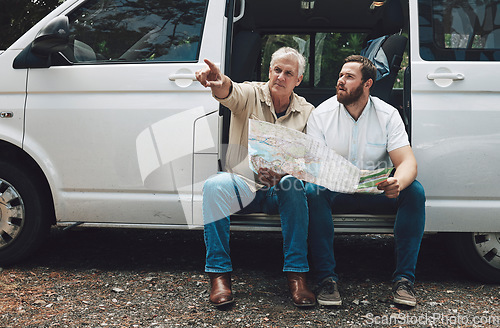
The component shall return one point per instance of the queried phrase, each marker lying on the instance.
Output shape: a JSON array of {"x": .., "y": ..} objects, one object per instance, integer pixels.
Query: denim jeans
[
  {"x": 408, "y": 228},
  {"x": 288, "y": 198}
]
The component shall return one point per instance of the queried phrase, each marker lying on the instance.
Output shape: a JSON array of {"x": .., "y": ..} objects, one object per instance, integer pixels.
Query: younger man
[{"x": 370, "y": 134}]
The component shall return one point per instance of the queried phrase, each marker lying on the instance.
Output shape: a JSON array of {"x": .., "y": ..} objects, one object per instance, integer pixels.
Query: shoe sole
[
  {"x": 404, "y": 302},
  {"x": 304, "y": 305},
  {"x": 337, "y": 303},
  {"x": 223, "y": 303}
]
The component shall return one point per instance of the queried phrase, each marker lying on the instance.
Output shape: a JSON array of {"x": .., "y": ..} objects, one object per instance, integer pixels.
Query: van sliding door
[{"x": 456, "y": 111}]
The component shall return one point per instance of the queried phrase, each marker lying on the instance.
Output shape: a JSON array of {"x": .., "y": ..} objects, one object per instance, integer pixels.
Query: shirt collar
[
  {"x": 363, "y": 113},
  {"x": 366, "y": 109},
  {"x": 266, "y": 93}
]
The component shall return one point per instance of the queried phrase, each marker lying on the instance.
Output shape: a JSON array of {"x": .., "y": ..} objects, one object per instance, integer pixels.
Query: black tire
[
  {"x": 24, "y": 222},
  {"x": 478, "y": 254}
]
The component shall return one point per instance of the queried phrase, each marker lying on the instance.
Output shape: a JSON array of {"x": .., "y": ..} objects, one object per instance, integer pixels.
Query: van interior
[{"x": 326, "y": 32}]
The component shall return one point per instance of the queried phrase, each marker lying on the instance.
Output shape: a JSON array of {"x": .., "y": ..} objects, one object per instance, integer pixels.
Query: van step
[{"x": 344, "y": 223}]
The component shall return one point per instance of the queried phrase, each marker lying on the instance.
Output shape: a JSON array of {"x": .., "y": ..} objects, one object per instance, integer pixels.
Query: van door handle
[
  {"x": 182, "y": 76},
  {"x": 445, "y": 76}
]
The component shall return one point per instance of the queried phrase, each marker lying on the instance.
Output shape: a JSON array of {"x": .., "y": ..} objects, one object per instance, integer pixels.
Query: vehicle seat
[{"x": 393, "y": 47}]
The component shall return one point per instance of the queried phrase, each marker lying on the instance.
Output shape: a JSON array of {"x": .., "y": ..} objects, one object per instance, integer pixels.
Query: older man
[
  {"x": 238, "y": 188},
  {"x": 370, "y": 134}
]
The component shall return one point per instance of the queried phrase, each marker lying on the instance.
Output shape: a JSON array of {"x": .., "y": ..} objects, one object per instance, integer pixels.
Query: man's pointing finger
[{"x": 211, "y": 65}]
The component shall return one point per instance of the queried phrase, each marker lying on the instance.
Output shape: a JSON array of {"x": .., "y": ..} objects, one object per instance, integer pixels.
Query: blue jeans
[
  {"x": 408, "y": 228},
  {"x": 288, "y": 198}
]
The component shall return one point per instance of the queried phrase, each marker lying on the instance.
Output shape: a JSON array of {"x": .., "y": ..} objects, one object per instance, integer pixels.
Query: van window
[
  {"x": 136, "y": 31},
  {"x": 459, "y": 30},
  {"x": 326, "y": 56}
]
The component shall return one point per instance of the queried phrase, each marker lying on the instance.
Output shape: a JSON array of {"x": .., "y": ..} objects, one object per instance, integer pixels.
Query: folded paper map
[{"x": 285, "y": 150}]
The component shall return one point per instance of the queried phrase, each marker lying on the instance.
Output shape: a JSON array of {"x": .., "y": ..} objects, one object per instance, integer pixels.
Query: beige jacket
[{"x": 253, "y": 100}]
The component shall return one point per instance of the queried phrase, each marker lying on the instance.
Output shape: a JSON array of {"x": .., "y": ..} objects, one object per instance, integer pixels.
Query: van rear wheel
[
  {"x": 23, "y": 218},
  {"x": 479, "y": 254}
]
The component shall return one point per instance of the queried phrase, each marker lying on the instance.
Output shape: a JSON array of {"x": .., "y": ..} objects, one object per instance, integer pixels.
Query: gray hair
[{"x": 287, "y": 51}]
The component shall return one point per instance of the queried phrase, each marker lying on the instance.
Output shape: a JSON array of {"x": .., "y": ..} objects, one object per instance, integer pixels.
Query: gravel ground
[{"x": 138, "y": 278}]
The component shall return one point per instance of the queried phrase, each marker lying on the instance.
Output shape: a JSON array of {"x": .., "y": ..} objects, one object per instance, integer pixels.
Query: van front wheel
[
  {"x": 479, "y": 254},
  {"x": 23, "y": 218}
]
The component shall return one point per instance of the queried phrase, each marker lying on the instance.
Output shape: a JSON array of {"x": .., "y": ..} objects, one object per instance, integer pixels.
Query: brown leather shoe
[
  {"x": 301, "y": 294},
  {"x": 220, "y": 293}
]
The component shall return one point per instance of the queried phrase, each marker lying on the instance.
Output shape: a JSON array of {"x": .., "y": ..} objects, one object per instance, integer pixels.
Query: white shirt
[{"x": 366, "y": 142}]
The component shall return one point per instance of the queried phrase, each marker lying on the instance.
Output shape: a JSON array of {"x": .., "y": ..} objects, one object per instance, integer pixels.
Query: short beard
[{"x": 350, "y": 97}]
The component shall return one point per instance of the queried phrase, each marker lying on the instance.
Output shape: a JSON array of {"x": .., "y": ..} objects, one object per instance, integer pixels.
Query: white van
[{"x": 102, "y": 123}]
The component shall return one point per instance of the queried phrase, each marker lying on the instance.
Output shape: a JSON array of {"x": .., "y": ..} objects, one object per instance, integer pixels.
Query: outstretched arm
[{"x": 211, "y": 77}]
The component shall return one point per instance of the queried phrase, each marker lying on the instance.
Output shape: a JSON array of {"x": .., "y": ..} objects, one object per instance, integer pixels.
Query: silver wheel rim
[
  {"x": 487, "y": 245},
  {"x": 12, "y": 214}
]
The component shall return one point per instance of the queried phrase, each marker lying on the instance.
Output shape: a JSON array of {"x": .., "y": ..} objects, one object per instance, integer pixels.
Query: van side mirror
[{"x": 52, "y": 38}]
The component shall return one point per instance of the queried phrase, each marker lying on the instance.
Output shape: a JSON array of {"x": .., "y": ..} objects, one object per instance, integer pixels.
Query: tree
[{"x": 18, "y": 16}]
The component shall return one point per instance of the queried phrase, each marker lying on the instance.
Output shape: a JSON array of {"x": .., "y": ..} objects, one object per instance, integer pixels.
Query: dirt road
[{"x": 138, "y": 278}]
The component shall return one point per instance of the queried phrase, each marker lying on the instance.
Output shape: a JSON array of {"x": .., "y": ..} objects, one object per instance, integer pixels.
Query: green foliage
[
  {"x": 18, "y": 16},
  {"x": 398, "y": 84}
]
